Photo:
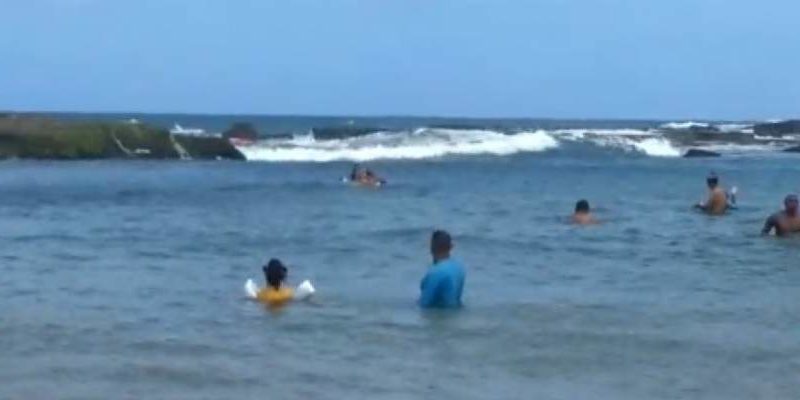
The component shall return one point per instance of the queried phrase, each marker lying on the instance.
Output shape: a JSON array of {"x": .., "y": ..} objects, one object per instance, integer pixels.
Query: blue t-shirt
[{"x": 442, "y": 285}]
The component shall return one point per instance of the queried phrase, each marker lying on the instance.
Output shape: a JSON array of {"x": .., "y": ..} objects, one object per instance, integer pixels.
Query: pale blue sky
[{"x": 719, "y": 59}]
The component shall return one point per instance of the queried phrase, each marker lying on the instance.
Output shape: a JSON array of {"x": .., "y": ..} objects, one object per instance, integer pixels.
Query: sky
[{"x": 641, "y": 59}]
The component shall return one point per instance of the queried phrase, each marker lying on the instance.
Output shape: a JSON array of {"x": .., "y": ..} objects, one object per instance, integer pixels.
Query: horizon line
[{"x": 396, "y": 116}]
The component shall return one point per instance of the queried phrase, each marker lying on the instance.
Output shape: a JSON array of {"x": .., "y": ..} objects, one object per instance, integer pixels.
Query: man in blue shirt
[{"x": 442, "y": 285}]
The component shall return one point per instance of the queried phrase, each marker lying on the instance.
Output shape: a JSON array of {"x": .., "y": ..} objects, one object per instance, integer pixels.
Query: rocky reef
[
  {"x": 777, "y": 128},
  {"x": 37, "y": 137},
  {"x": 693, "y": 138},
  {"x": 700, "y": 153}
]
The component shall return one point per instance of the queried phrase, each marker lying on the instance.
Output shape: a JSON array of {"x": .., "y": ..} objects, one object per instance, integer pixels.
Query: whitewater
[{"x": 428, "y": 143}]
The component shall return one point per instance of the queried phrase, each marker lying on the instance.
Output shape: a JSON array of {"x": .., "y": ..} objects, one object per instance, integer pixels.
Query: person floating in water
[
  {"x": 443, "y": 284},
  {"x": 356, "y": 173},
  {"x": 583, "y": 214},
  {"x": 365, "y": 177},
  {"x": 784, "y": 222},
  {"x": 717, "y": 202},
  {"x": 275, "y": 293}
]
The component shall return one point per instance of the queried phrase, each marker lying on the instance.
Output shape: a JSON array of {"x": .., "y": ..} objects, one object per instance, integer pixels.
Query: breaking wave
[
  {"x": 647, "y": 142},
  {"x": 363, "y": 144},
  {"x": 409, "y": 145},
  {"x": 684, "y": 125}
]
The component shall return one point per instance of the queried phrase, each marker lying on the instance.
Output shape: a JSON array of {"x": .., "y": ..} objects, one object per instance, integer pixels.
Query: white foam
[
  {"x": 684, "y": 125},
  {"x": 657, "y": 147},
  {"x": 577, "y": 134},
  {"x": 730, "y": 128},
  {"x": 739, "y": 148},
  {"x": 419, "y": 144}
]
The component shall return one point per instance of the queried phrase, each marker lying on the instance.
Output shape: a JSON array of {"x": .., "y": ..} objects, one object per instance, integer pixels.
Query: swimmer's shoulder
[{"x": 270, "y": 295}]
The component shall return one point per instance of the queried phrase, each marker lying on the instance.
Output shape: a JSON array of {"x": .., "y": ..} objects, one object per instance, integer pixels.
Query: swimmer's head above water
[
  {"x": 441, "y": 245},
  {"x": 712, "y": 180},
  {"x": 582, "y": 207},
  {"x": 275, "y": 273},
  {"x": 583, "y": 213},
  {"x": 790, "y": 204}
]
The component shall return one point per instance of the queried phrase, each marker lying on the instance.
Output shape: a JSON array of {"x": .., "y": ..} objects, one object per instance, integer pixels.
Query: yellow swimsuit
[{"x": 274, "y": 297}]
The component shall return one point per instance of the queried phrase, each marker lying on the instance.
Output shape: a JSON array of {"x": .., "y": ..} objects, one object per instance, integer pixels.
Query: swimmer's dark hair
[
  {"x": 441, "y": 241},
  {"x": 582, "y": 206},
  {"x": 275, "y": 273},
  {"x": 712, "y": 179}
]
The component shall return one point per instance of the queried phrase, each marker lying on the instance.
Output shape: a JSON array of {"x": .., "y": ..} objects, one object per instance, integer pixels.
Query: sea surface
[{"x": 123, "y": 279}]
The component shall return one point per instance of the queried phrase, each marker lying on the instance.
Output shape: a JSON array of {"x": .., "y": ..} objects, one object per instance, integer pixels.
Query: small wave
[
  {"x": 732, "y": 128},
  {"x": 646, "y": 143},
  {"x": 657, "y": 147},
  {"x": 576, "y": 134},
  {"x": 412, "y": 145},
  {"x": 734, "y": 148},
  {"x": 684, "y": 125}
]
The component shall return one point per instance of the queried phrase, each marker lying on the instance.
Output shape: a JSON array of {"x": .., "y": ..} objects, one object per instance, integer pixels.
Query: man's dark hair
[
  {"x": 712, "y": 180},
  {"x": 582, "y": 206},
  {"x": 275, "y": 273},
  {"x": 441, "y": 241}
]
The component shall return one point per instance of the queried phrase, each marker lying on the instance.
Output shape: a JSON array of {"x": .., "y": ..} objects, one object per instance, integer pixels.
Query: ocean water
[{"x": 123, "y": 279}]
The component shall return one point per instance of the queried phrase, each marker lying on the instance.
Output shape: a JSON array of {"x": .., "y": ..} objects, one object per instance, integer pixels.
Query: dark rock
[
  {"x": 685, "y": 138},
  {"x": 704, "y": 129},
  {"x": 697, "y": 153},
  {"x": 795, "y": 149},
  {"x": 209, "y": 148},
  {"x": 777, "y": 128},
  {"x": 697, "y": 130},
  {"x": 241, "y": 131}
]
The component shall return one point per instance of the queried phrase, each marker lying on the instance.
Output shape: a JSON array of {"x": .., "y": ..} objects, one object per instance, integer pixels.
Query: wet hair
[
  {"x": 275, "y": 273},
  {"x": 791, "y": 198},
  {"x": 441, "y": 242},
  {"x": 712, "y": 180},
  {"x": 582, "y": 206}
]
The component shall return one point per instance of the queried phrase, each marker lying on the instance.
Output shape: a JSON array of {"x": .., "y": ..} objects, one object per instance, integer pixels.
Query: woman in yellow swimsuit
[{"x": 275, "y": 293}]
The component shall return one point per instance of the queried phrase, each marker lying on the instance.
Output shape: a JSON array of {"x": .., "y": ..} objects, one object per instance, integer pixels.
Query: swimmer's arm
[
  {"x": 772, "y": 222},
  {"x": 712, "y": 200},
  {"x": 704, "y": 205},
  {"x": 429, "y": 290},
  {"x": 730, "y": 198}
]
